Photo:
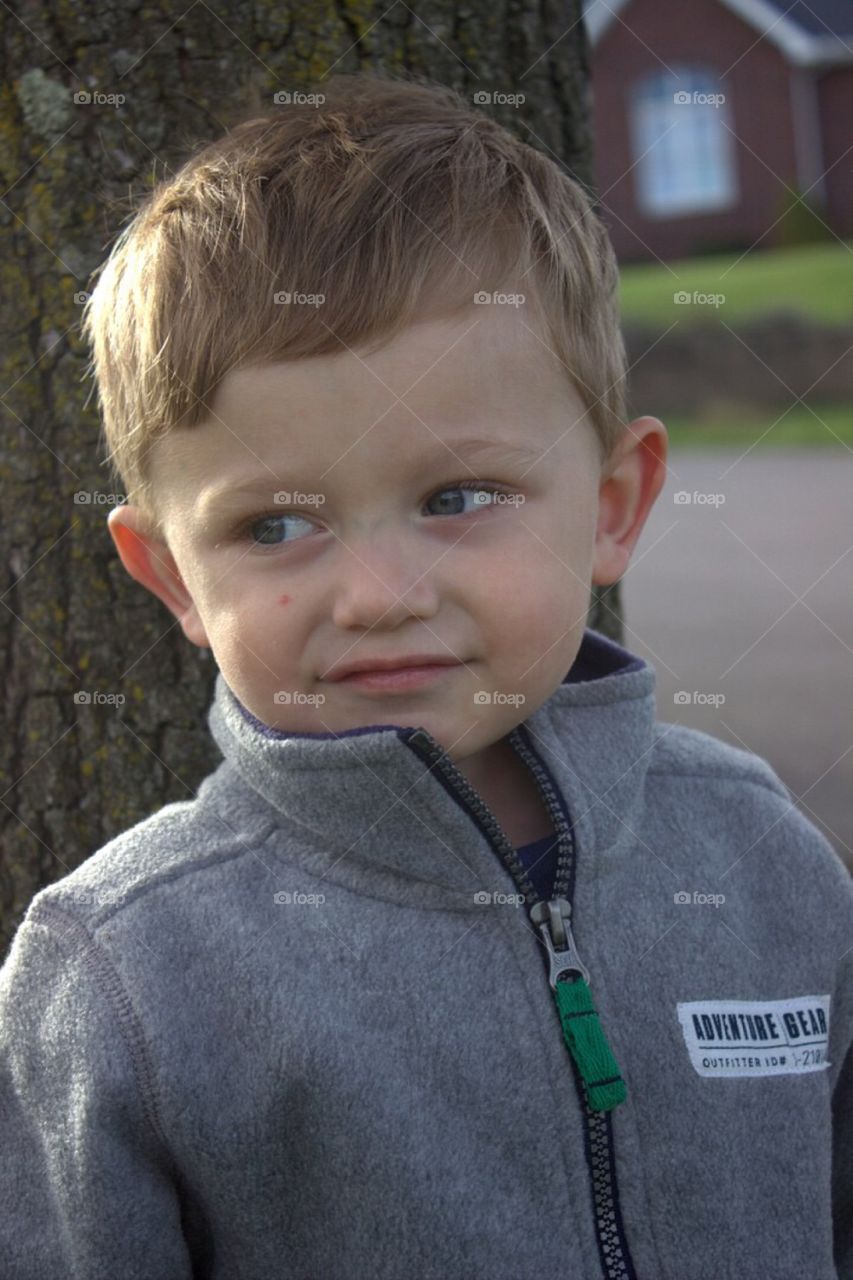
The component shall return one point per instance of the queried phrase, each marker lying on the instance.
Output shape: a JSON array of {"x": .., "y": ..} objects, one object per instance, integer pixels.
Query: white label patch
[{"x": 756, "y": 1037}]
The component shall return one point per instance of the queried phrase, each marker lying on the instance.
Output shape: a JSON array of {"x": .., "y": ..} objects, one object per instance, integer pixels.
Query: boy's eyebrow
[{"x": 476, "y": 448}]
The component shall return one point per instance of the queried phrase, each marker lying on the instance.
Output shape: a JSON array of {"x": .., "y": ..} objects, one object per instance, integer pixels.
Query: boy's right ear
[{"x": 150, "y": 562}]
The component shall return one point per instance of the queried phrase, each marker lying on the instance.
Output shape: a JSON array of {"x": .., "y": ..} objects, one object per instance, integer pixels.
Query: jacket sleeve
[
  {"x": 842, "y": 1166},
  {"x": 85, "y": 1177}
]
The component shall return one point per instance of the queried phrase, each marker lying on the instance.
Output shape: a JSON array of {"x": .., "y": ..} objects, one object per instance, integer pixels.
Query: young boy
[{"x": 411, "y": 988}]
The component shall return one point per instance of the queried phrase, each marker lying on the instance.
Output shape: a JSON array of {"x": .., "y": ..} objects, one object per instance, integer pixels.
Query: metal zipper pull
[
  {"x": 582, "y": 1031},
  {"x": 552, "y": 920}
]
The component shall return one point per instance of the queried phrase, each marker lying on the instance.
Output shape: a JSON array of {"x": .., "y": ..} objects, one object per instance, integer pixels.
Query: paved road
[{"x": 711, "y": 598}]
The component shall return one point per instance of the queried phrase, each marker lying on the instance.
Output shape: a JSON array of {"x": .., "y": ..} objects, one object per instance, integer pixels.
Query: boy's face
[{"x": 394, "y": 559}]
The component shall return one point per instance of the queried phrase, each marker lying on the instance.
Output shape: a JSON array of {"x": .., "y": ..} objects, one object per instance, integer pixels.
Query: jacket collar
[{"x": 364, "y": 799}]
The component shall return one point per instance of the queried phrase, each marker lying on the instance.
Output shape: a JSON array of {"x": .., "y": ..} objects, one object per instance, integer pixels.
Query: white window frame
[{"x": 683, "y": 153}]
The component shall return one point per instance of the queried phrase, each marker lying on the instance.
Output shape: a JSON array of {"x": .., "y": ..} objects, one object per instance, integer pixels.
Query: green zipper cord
[{"x": 583, "y": 1033}]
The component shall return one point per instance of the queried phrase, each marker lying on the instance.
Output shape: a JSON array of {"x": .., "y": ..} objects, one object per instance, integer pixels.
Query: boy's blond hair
[{"x": 396, "y": 200}]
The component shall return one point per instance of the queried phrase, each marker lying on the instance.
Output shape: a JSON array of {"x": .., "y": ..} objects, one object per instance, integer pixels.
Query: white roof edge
[
  {"x": 598, "y": 15},
  {"x": 798, "y": 46}
]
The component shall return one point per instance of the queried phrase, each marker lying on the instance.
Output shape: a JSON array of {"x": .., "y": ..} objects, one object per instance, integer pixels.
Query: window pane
[{"x": 683, "y": 152}]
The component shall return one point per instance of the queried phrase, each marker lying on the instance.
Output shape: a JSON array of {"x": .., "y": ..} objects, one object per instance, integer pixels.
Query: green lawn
[
  {"x": 795, "y": 428},
  {"x": 814, "y": 279}
]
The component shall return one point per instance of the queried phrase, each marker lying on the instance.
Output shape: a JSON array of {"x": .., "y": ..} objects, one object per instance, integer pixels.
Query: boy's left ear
[
  {"x": 149, "y": 561},
  {"x": 631, "y": 480}
]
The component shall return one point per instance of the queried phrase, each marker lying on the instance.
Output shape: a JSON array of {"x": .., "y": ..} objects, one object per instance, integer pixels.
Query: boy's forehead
[
  {"x": 485, "y": 373},
  {"x": 483, "y": 363}
]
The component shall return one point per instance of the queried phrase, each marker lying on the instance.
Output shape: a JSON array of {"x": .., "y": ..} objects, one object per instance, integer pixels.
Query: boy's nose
[{"x": 382, "y": 588}]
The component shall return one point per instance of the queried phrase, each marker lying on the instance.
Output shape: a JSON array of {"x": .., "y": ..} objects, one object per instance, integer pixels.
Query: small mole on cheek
[{"x": 285, "y": 600}]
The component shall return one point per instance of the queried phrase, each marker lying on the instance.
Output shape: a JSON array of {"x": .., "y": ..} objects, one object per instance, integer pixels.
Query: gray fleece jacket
[{"x": 311, "y": 1025}]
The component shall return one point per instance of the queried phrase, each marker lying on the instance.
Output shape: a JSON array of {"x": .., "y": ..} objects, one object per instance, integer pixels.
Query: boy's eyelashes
[{"x": 243, "y": 528}]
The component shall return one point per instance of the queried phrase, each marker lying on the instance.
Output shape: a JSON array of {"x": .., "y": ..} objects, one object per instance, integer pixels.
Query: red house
[{"x": 706, "y": 111}]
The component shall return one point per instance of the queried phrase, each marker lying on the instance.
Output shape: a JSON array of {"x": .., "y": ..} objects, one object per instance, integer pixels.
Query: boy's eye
[
  {"x": 267, "y": 523},
  {"x": 481, "y": 496}
]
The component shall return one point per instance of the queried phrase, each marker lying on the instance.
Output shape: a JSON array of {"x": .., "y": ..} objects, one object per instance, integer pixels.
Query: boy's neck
[{"x": 507, "y": 786}]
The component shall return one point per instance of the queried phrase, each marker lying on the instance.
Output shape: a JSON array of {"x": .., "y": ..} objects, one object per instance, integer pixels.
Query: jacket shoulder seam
[
  {"x": 67, "y": 928},
  {"x": 777, "y": 790},
  {"x": 236, "y": 847}
]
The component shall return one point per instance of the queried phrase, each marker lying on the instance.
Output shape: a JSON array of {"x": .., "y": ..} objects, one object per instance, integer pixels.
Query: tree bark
[{"x": 73, "y": 774}]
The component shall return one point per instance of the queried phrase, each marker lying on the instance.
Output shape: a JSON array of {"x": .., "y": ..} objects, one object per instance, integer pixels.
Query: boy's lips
[
  {"x": 371, "y": 665},
  {"x": 398, "y": 679}
]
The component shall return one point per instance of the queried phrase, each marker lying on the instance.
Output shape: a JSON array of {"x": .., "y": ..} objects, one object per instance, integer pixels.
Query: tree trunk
[{"x": 74, "y": 774}]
